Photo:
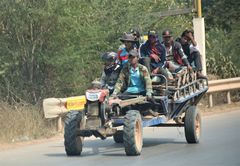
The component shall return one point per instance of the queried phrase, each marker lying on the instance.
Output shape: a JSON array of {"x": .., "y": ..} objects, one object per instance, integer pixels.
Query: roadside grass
[{"x": 23, "y": 123}]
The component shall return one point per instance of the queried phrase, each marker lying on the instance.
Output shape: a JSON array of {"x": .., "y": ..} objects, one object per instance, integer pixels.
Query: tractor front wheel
[
  {"x": 132, "y": 133},
  {"x": 73, "y": 142}
]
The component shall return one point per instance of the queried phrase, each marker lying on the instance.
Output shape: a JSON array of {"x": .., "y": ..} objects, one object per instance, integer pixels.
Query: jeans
[
  {"x": 146, "y": 61},
  {"x": 195, "y": 60}
]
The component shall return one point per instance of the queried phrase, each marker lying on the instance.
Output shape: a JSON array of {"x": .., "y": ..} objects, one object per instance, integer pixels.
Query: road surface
[{"x": 219, "y": 145}]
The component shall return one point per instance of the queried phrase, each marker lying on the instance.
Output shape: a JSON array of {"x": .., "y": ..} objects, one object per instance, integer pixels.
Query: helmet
[{"x": 109, "y": 57}]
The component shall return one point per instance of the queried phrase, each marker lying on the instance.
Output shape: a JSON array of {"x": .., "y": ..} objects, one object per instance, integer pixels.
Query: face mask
[{"x": 109, "y": 69}]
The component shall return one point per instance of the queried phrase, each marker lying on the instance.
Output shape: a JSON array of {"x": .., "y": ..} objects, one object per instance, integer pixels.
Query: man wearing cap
[
  {"x": 128, "y": 40},
  {"x": 153, "y": 54},
  {"x": 191, "y": 49},
  {"x": 175, "y": 55},
  {"x": 134, "y": 78}
]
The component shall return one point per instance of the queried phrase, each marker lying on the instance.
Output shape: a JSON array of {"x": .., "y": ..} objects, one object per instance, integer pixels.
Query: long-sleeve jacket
[
  {"x": 123, "y": 81},
  {"x": 123, "y": 56},
  {"x": 188, "y": 48},
  {"x": 109, "y": 77},
  {"x": 146, "y": 51},
  {"x": 178, "y": 54}
]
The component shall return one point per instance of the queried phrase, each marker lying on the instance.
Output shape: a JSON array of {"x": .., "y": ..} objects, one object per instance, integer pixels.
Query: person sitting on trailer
[
  {"x": 191, "y": 49},
  {"x": 137, "y": 37},
  {"x": 129, "y": 41},
  {"x": 134, "y": 78},
  {"x": 175, "y": 56},
  {"x": 153, "y": 55},
  {"x": 135, "y": 32}
]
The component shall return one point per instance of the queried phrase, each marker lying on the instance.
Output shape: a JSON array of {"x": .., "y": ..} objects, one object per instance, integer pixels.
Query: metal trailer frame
[{"x": 177, "y": 106}]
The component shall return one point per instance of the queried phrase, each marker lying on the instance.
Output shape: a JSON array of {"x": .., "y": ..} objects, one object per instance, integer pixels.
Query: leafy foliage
[
  {"x": 222, "y": 20},
  {"x": 222, "y": 14},
  {"x": 218, "y": 60},
  {"x": 51, "y": 48}
]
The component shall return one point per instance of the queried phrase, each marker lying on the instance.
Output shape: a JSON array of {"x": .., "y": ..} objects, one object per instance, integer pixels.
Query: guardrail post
[
  {"x": 228, "y": 97},
  {"x": 59, "y": 124},
  {"x": 210, "y": 100}
]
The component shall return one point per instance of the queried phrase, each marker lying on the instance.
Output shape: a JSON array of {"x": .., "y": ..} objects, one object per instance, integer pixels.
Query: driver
[{"x": 134, "y": 78}]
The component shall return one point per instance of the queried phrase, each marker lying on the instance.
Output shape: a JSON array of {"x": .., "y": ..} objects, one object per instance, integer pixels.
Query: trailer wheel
[
  {"x": 132, "y": 133},
  {"x": 73, "y": 143},
  {"x": 192, "y": 125},
  {"x": 118, "y": 136}
]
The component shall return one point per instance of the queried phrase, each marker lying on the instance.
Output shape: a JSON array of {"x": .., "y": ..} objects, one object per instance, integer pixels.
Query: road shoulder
[{"x": 58, "y": 137}]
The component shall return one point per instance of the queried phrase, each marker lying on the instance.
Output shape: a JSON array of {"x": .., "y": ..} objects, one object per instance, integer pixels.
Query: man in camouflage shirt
[{"x": 134, "y": 78}]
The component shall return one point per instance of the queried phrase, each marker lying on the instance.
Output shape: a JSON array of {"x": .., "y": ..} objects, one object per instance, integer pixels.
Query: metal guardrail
[{"x": 221, "y": 86}]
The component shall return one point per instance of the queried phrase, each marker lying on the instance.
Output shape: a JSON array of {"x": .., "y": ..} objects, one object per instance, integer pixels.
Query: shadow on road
[
  {"x": 148, "y": 142},
  {"x": 56, "y": 155},
  {"x": 109, "y": 148}
]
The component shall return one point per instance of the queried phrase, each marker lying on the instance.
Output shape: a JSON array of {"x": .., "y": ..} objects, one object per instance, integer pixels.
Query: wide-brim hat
[{"x": 127, "y": 37}]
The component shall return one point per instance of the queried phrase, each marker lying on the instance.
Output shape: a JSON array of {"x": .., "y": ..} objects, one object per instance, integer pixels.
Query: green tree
[
  {"x": 51, "y": 48},
  {"x": 222, "y": 25},
  {"x": 222, "y": 14},
  {"x": 25, "y": 26}
]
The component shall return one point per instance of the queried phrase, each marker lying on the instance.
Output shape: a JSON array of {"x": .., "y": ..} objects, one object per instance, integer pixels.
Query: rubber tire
[
  {"x": 118, "y": 136},
  {"x": 73, "y": 143},
  {"x": 132, "y": 142},
  {"x": 192, "y": 125}
]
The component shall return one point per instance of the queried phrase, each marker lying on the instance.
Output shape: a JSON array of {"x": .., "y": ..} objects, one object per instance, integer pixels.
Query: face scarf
[{"x": 109, "y": 69}]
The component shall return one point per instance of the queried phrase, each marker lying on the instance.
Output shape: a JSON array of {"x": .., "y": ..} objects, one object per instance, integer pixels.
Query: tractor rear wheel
[
  {"x": 132, "y": 133},
  {"x": 192, "y": 125},
  {"x": 73, "y": 142}
]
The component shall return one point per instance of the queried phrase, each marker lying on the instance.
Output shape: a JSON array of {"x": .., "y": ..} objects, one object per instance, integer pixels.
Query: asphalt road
[{"x": 219, "y": 145}]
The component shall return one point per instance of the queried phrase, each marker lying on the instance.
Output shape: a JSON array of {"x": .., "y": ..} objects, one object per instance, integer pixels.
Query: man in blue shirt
[{"x": 134, "y": 78}]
